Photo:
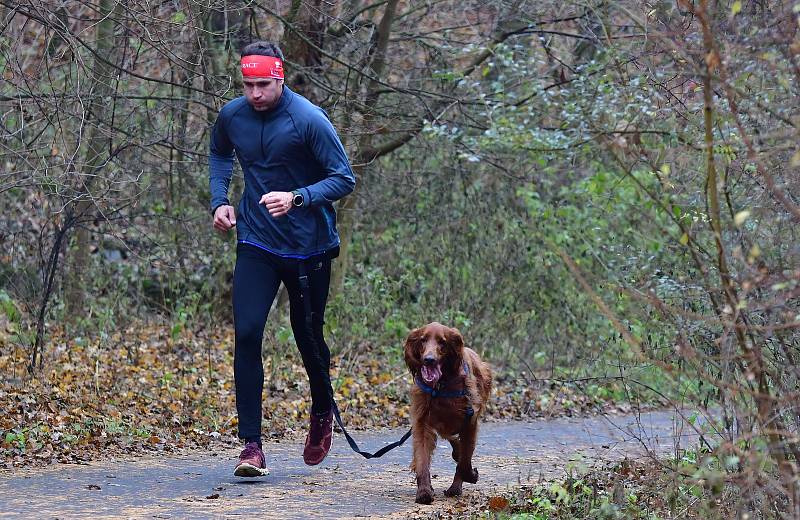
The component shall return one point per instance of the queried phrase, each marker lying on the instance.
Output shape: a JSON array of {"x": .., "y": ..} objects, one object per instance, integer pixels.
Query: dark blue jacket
[{"x": 293, "y": 146}]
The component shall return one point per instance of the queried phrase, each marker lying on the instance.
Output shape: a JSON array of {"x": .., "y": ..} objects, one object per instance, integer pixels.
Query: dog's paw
[
  {"x": 453, "y": 491},
  {"x": 469, "y": 476},
  {"x": 424, "y": 496}
]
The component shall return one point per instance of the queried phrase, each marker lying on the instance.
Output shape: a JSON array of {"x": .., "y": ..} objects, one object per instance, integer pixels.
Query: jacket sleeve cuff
[
  {"x": 306, "y": 196},
  {"x": 216, "y": 206}
]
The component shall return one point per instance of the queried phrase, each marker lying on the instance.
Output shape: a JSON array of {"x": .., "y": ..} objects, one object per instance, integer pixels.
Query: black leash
[
  {"x": 355, "y": 447},
  {"x": 305, "y": 294}
]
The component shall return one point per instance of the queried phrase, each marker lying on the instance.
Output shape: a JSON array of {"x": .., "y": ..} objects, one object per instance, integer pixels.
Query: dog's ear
[
  {"x": 454, "y": 340},
  {"x": 454, "y": 348},
  {"x": 413, "y": 350}
]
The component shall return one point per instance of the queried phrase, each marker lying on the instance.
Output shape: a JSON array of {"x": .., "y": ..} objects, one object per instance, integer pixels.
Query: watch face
[{"x": 298, "y": 199}]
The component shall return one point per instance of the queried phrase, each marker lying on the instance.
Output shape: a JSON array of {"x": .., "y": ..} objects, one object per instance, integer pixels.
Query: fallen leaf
[{"x": 498, "y": 503}]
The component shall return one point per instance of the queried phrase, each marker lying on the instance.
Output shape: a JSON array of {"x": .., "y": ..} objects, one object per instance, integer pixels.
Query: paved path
[{"x": 344, "y": 486}]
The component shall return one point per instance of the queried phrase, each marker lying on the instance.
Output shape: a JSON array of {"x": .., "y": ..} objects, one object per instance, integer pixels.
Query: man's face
[{"x": 262, "y": 93}]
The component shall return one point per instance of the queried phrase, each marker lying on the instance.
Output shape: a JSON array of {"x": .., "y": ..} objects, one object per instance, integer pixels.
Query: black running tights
[{"x": 256, "y": 280}]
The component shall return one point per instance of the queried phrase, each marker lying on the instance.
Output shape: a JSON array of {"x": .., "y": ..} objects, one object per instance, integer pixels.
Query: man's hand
[
  {"x": 224, "y": 218},
  {"x": 278, "y": 203}
]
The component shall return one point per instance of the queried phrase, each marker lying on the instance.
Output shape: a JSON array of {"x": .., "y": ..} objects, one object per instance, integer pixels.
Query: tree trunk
[
  {"x": 98, "y": 144},
  {"x": 346, "y": 220},
  {"x": 345, "y": 225},
  {"x": 305, "y": 53}
]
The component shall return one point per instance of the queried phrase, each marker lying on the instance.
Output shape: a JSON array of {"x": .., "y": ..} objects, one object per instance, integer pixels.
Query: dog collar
[{"x": 436, "y": 392}]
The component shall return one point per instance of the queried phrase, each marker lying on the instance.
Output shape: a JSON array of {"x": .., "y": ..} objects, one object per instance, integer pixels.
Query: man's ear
[{"x": 412, "y": 351}]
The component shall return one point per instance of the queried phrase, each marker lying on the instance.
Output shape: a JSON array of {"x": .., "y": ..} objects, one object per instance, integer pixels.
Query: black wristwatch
[{"x": 297, "y": 199}]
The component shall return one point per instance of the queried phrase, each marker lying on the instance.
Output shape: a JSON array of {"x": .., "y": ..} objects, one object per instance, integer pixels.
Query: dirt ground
[{"x": 202, "y": 485}]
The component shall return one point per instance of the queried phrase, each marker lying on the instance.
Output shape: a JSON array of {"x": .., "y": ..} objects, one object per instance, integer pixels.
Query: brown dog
[{"x": 450, "y": 392}]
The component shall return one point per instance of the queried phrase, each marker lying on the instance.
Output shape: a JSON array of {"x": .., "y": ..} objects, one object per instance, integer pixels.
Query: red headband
[{"x": 257, "y": 66}]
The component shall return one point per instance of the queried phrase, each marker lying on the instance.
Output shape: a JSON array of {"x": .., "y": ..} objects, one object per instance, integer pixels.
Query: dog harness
[{"x": 438, "y": 392}]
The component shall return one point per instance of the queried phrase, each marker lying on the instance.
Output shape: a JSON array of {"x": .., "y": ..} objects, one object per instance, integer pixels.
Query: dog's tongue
[{"x": 431, "y": 374}]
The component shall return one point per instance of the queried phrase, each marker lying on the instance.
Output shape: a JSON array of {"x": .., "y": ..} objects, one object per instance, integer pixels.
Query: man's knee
[
  {"x": 318, "y": 327},
  {"x": 308, "y": 344},
  {"x": 249, "y": 336}
]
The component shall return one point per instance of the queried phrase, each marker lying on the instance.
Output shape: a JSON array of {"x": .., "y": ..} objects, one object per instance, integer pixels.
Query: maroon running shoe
[
  {"x": 251, "y": 462},
  {"x": 318, "y": 440}
]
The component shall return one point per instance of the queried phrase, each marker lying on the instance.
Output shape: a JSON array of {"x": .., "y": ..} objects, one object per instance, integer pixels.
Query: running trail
[{"x": 345, "y": 485}]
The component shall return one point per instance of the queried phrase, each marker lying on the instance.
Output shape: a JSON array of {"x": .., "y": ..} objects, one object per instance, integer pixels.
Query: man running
[{"x": 294, "y": 167}]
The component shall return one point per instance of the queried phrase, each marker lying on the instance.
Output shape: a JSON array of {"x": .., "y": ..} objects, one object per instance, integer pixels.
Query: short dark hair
[{"x": 262, "y": 48}]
